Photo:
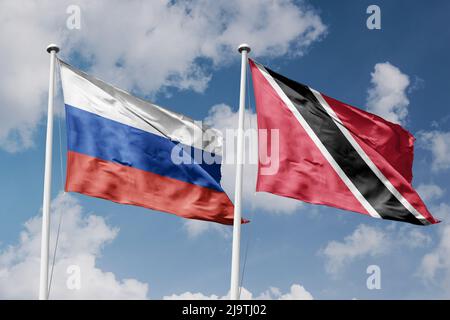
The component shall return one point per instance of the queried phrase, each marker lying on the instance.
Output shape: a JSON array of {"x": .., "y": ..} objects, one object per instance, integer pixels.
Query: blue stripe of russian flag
[{"x": 112, "y": 141}]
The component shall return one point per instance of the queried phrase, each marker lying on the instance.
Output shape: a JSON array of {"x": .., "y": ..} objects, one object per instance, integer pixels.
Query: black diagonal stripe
[{"x": 353, "y": 165}]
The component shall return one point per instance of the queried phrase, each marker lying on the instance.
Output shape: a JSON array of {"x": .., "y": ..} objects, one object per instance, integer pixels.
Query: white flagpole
[
  {"x": 45, "y": 239},
  {"x": 244, "y": 49}
]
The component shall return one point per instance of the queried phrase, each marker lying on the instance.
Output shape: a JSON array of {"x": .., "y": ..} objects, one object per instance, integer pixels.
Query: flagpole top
[
  {"x": 52, "y": 47},
  {"x": 244, "y": 47}
]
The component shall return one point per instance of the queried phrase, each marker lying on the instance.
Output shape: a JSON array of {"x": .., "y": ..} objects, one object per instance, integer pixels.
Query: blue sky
[{"x": 301, "y": 245}]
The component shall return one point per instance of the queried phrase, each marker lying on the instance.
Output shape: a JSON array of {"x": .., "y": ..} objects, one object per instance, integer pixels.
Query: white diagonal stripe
[{"x": 367, "y": 159}]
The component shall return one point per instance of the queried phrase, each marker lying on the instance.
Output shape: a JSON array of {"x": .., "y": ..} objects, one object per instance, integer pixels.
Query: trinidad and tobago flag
[{"x": 334, "y": 154}]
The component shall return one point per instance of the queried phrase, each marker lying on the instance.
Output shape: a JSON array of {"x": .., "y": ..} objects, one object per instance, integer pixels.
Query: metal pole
[
  {"x": 43, "y": 280},
  {"x": 244, "y": 49}
]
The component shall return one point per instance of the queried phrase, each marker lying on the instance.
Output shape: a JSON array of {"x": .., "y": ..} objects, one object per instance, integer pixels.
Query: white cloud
[
  {"x": 435, "y": 265},
  {"x": 296, "y": 292},
  {"x": 367, "y": 241},
  {"x": 364, "y": 241},
  {"x": 245, "y": 295},
  {"x": 81, "y": 241},
  {"x": 387, "y": 95},
  {"x": 144, "y": 46},
  {"x": 191, "y": 296},
  {"x": 413, "y": 238},
  {"x": 194, "y": 228},
  {"x": 430, "y": 192},
  {"x": 25, "y": 31},
  {"x": 442, "y": 211},
  {"x": 438, "y": 143}
]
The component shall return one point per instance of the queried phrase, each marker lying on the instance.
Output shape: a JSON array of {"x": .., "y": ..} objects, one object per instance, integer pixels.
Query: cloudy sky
[{"x": 182, "y": 55}]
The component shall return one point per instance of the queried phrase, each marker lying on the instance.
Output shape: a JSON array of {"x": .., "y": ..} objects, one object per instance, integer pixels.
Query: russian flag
[{"x": 130, "y": 151}]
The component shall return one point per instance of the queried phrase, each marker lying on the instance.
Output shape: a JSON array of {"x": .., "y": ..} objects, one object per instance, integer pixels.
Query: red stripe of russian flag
[{"x": 103, "y": 179}]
